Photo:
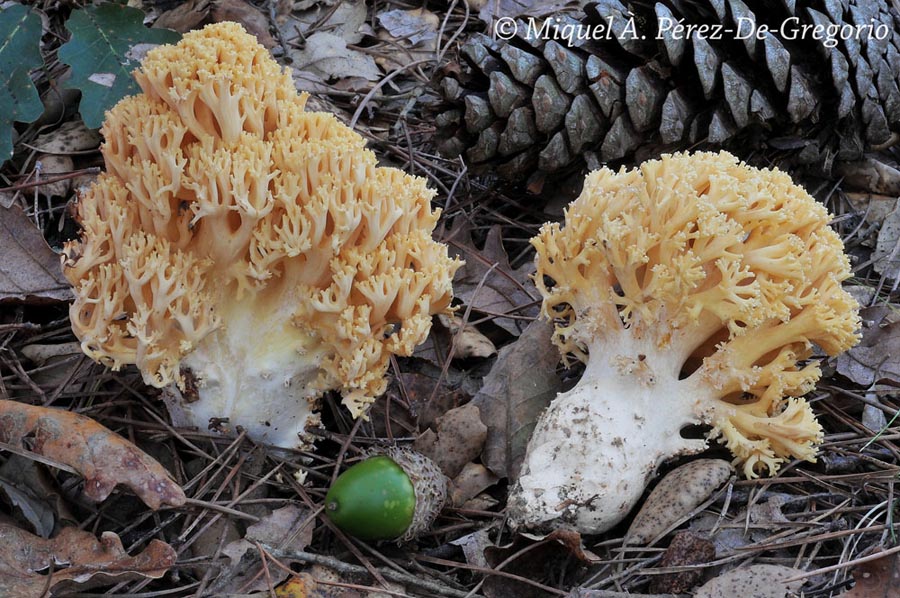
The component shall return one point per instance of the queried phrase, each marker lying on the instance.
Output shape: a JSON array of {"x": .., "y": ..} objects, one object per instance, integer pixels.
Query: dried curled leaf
[
  {"x": 876, "y": 579},
  {"x": 681, "y": 491},
  {"x": 459, "y": 439},
  {"x": 468, "y": 341},
  {"x": 288, "y": 528},
  {"x": 100, "y": 455},
  {"x": 470, "y": 482},
  {"x": 30, "y": 269},
  {"x": 487, "y": 281},
  {"x": 30, "y": 565},
  {"x": 685, "y": 550},
  {"x": 875, "y": 358},
  {"x": 870, "y": 174},
  {"x": 521, "y": 384},
  {"x": 759, "y": 581}
]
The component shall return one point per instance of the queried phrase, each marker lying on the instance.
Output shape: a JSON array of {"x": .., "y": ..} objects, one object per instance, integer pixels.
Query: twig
[
  {"x": 368, "y": 97},
  {"x": 839, "y": 566},
  {"x": 53, "y": 179},
  {"x": 348, "y": 569},
  {"x": 193, "y": 502}
]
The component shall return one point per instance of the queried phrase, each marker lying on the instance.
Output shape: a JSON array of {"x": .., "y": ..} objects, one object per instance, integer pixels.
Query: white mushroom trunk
[
  {"x": 595, "y": 447},
  {"x": 255, "y": 372}
]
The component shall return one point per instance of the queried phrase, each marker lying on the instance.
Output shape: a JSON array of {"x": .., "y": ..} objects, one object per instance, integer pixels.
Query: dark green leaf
[
  {"x": 107, "y": 44},
  {"x": 20, "y": 51}
]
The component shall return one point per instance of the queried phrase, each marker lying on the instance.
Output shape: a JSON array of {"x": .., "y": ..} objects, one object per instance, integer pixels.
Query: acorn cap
[{"x": 430, "y": 484}]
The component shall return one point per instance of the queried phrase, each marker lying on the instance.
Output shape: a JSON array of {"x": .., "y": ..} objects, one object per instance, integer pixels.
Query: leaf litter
[
  {"x": 877, "y": 578},
  {"x": 103, "y": 458},
  {"x": 519, "y": 387},
  {"x": 31, "y": 565},
  {"x": 30, "y": 269},
  {"x": 488, "y": 283}
]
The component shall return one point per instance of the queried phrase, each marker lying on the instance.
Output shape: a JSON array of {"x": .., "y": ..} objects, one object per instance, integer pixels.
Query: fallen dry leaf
[
  {"x": 467, "y": 340},
  {"x": 196, "y": 13},
  {"x": 412, "y": 35},
  {"x": 308, "y": 4},
  {"x": 491, "y": 10},
  {"x": 30, "y": 270},
  {"x": 416, "y": 25},
  {"x": 586, "y": 593},
  {"x": 283, "y": 9},
  {"x": 685, "y": 549},
  {"x": 877, "y": 356},
  {"x": 681, "y": 491},
  {"x": 30, "y": 490},
  {"x": 488, "y": 283},
  {"x": 184, "y": 17},
  {"x": 572, "y": 541},
  {"x": 482, "y": 502},
  {"x": 347, "y": 20},
  {"x": 886, "y": 257},
  {"x": 319, "y": 582},
  {"x": 30, "y": 565},
  {"x": 875, "y": 208},
  {"x": 288, "y": 528},
  {"x": 876, "y": 579},
  {"x": 459, "y": 439},
  {"x": 43, "y": 355},
  {"x": 554, "y": 552},
  {"x": 427, "y": 403},
  {"x": 54, "y": 365},
  {"x": 758, "y": 581},
  {"x": 8, "y": 198},
  {"x": 518, "y": 388},
  {"x": 473, "y": 546},
  {"x": 470, "y": 482},
  {"x": 300, "y": 585},
  {"x": 327, "y": 55},
  {"x": 247, "y": 15},
  {"x": 102, "y": 457},
  {"x": 870, "y": 174}
]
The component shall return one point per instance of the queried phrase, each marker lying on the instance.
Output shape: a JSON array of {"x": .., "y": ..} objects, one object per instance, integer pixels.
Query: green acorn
[{"x": 393, "y": 495}]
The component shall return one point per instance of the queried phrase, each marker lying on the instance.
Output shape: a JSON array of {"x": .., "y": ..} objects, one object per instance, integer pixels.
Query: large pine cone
[{"x": 543, "y": 104}]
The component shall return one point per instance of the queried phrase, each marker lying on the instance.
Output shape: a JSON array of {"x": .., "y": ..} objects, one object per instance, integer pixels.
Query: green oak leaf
[
  {"x": 20, "y": 52},
  {"x": 108, "y": 42}
]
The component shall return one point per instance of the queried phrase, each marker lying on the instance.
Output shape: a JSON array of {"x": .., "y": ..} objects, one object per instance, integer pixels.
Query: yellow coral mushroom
[
  {"x": 245, "y": 254},
  {"x": 692, "y": 287}
]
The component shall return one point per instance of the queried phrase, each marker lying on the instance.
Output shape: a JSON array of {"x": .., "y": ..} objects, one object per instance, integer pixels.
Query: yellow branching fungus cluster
[
  {"x": 248, "y": 256},
  {"x": 694, "y": 288},
  {"x": 246, "y": 250}
]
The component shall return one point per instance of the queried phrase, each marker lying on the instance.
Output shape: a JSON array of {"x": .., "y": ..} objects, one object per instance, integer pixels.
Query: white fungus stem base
[
  {"x": 596, "y": 446},
  {"x": 256, "y": 373}
]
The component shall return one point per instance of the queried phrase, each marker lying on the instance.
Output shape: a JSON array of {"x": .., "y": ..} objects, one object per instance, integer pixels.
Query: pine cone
[{"x": 529, "y": 104}]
